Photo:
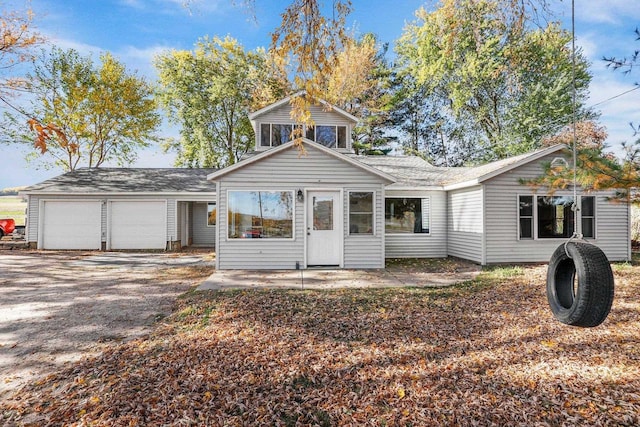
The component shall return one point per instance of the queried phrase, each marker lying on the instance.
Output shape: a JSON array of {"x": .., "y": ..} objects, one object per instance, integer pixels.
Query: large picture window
[
  {"x": 260, "y": 214},
  {"x": 406, "y": 215},
  {"x": 361, "y": 212},
  {"x": 553, "y": 217}
]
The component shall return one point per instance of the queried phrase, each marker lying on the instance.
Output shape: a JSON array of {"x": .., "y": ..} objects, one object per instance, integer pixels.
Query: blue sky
[{"x": 136, "y": 30}]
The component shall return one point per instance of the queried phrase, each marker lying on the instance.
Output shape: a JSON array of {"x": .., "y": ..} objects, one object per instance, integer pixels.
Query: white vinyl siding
[
  {"x": 501, "y": 213},
  {"x": 290, "y": 171},
  {"x": 420, "y": 245},
  {"x": 465, "y": 224},
  {"x": 365, "y": 250},
  {"x": 202, "y": 234}
]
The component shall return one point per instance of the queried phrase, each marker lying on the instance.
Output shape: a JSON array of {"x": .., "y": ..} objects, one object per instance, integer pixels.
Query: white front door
[{"x": 324, "y": 228}]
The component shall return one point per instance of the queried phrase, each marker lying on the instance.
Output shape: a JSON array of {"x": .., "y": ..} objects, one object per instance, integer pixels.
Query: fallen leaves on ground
[{"x": 482, "y": 353}]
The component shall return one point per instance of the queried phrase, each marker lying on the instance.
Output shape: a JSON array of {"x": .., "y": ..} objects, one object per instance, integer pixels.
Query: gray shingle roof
[
  {"x": 410, "y": 172},
  {"x": 416, "y": 172},
  {"x": 114, "y": 180}
]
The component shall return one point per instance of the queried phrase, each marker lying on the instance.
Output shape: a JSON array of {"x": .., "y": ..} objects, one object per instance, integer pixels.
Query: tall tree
[
  {"x": 17, "y": 40},
  {"x": 210, "y": 92},
  {"x": 501, "y": 84},
  {"x": 359, "y": 83},
  {"x": 102, "y": 112}
]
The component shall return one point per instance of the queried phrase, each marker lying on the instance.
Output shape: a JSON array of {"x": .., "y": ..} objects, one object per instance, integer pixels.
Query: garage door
[
  {"x": 138, "y": 225},
  {"x": 71, "y": 225}
]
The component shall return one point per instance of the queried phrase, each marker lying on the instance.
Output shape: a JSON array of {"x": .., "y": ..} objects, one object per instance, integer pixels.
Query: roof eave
[
  {"x": 331, "y": 152},
  {"x": 277, "y": 104},
  {"x": 528, "y": 159}
]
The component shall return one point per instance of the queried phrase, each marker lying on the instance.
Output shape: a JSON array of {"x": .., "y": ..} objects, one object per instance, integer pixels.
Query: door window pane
[{"x": 323, "y": 213}]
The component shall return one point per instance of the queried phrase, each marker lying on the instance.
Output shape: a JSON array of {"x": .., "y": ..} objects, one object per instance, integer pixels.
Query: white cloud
[{"x": 608, "y": 12}]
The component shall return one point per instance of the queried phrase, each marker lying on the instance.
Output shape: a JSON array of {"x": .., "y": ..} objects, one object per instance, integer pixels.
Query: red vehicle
[{"x": 7, "y": 226}]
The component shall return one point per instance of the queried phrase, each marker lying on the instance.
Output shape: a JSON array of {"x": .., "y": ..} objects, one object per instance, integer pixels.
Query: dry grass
[
  {"x": 13, "y": 207},
  {"x": 486, "y": 352}
]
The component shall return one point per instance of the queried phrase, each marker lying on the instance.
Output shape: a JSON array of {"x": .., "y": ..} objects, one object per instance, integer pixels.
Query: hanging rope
[{"x": 574, "y": 207}]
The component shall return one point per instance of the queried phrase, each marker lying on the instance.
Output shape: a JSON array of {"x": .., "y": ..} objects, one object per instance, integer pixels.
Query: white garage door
[
  {"x": 71, "y": 225},
  {"x": 138, "y": 225}
]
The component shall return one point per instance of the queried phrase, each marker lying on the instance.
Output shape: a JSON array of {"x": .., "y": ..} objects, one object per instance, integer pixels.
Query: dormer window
[
  {"x": 329, "y": 136},
  {"x": 274, "y": 134}
]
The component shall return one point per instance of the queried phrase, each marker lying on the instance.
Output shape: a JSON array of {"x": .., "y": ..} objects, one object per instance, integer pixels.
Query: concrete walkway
[{"x": 332, "y": 279}]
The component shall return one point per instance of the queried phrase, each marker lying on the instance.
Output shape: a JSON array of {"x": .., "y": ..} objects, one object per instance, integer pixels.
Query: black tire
[{"x": 587, "y": 301}]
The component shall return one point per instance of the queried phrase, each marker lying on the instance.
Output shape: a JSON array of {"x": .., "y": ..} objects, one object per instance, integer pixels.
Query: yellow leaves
[
  {"x": 401, "y": 393},
  {"x": 549, "y": 343}
]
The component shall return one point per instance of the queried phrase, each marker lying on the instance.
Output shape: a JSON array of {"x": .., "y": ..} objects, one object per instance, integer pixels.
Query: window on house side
[
  {"x": 406, "y": 215},
  {"x": 342, "y": 136},
  {"x": 555, "y": 217},
  {"x": 212, "y": 214},
  {"x": 588, "y": 214},
  {"x": 361, "y": 212},
  {"x": 525, "y": 212},
  {"x": 265, "y": 135}
]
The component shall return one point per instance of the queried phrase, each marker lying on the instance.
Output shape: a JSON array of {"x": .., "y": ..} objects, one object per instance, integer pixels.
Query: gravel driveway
[{"x": 56, "y": 307}]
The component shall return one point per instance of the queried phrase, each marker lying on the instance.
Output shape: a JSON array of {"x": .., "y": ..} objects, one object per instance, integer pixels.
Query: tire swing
[{"x": 580, "y": 283}]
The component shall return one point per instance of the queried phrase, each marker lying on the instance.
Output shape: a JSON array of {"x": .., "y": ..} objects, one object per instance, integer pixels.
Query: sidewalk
[{"x": 331, "y": 279}]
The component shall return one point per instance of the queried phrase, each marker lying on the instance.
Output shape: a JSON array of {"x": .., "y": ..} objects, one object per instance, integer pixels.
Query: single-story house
[{"x": 280, "y": 208}]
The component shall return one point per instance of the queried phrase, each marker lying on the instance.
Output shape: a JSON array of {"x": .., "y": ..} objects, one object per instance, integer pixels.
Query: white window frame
[
  {"x": 270, "y": 239},
  {"x": 215, "y": 204},
  {"x": 270, "y": 124},
  {"x": 595, "y": 216},
  {"x": 373, "y": 213},
  {"x": 336, "y": 147},
  {"x": 535, "y": 217},
  {"x": 428, "y": 201}
]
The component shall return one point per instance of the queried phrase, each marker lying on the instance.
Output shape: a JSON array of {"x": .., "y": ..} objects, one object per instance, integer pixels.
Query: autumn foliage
[{"x": 486, "y": 352}]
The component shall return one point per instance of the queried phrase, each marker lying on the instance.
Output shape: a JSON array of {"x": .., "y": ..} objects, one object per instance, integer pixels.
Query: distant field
[{"x": 13, "y": 207}]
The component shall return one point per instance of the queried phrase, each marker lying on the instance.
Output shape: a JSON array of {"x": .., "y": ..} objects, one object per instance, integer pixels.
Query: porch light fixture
[{"x": 300, "y": 195}]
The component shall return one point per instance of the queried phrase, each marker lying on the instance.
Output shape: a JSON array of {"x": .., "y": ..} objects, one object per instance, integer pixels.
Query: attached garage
[
  {"x": 137, "y": 224},
  {"x": 70, "y": 224}
]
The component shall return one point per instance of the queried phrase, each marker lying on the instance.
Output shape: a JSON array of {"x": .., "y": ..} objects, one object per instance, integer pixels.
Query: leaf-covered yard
[{"x": 482, "y": 353}]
